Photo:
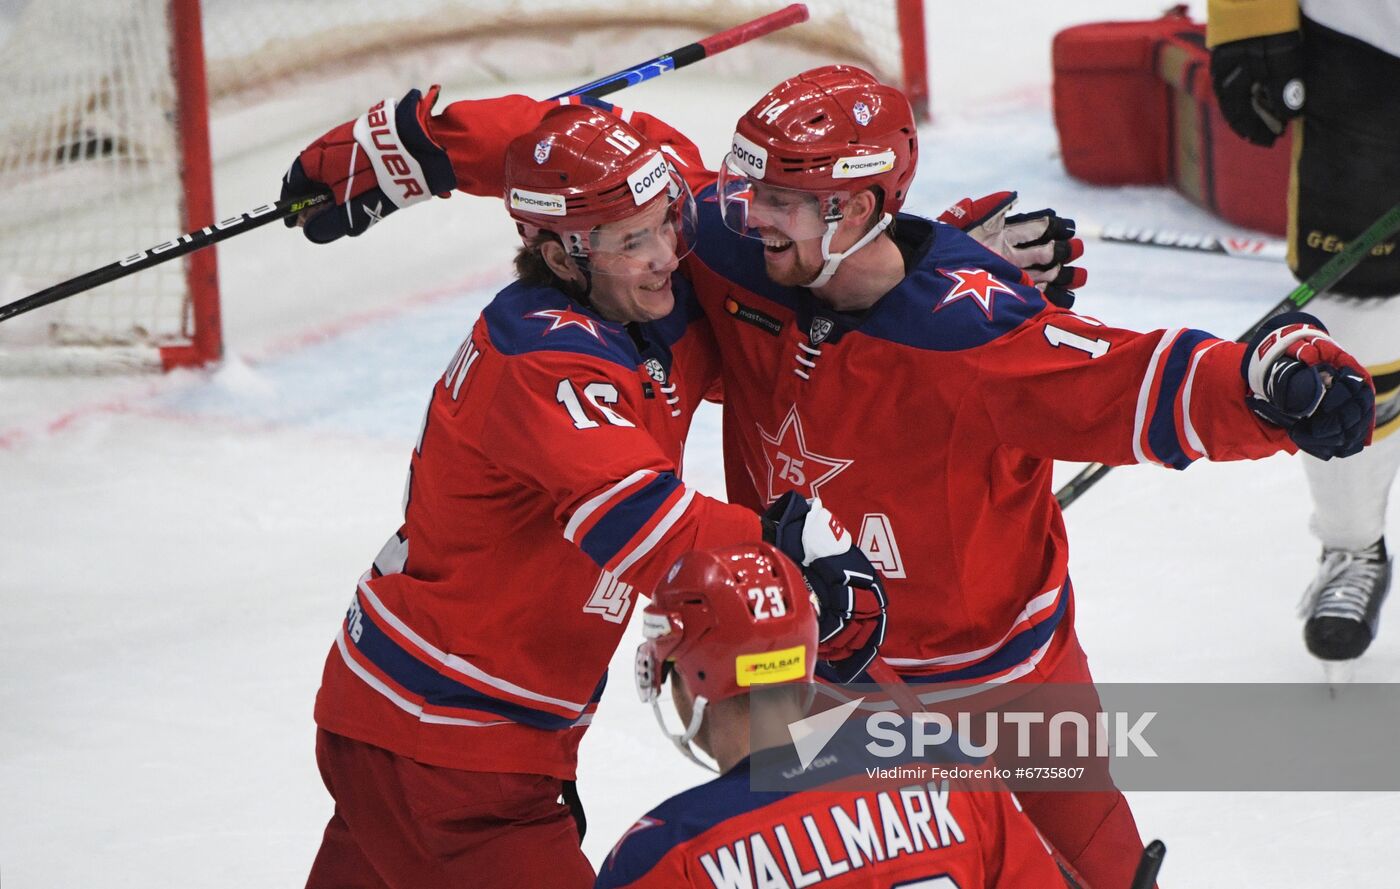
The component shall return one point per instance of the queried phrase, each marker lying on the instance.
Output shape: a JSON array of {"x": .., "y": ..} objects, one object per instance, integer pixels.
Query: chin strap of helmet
[
  {"x": 832, "y": 261},
  {"x": 682, "y": 740}
]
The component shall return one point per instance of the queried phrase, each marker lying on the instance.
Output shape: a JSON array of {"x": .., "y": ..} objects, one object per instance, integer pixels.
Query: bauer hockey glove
[
  {"x": 378, "y": 163},
  {"x": 1258, "y": 82},
  {"x": 1041, "y": 244},
  {"x": 1300, "y": 379},
  {"x": 847, "y": 587}
]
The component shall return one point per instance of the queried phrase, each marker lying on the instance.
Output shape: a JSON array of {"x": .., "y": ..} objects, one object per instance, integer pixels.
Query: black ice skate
[{"x": 1343, "y": 604}]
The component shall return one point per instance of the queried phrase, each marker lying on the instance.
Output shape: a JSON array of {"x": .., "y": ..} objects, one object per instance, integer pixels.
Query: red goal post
[{"x": 106, "y": 148}]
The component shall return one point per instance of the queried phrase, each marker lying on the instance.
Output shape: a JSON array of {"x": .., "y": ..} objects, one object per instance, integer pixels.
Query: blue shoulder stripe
[
  {"x": 1163, "y": 432},
  {"x": 624, "y": 519},
  {"x": 918, "y": 312}
]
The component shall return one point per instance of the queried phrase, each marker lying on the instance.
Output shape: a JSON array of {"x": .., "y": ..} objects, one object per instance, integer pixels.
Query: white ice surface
[{"x": 177, "y": 553}]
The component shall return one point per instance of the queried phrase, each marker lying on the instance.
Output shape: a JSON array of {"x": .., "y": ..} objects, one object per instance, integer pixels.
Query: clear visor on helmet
[
  {"x": 655, "y": 238},
  {"x": 756, "y": 209}
]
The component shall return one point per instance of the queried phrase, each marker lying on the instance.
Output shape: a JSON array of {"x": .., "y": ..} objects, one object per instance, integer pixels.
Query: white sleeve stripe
[
  {"x": 457, "y": 663},
  {"x": 626, "y": 115},
  {"x": 1144, "y": 393},
  {"x": 662, "y": 527},
  {"x": 1192, "y": 436},
  {"x": 587, "y": 509}
]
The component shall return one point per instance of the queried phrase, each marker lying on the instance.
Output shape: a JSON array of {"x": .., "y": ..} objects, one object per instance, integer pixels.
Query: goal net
[{"x": 104, "y": 136}]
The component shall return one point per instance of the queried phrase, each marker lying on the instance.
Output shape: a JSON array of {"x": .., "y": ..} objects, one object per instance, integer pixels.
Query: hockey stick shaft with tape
[
  {"x": 691, "y": 52},
  {"x": 1324, "y": 278},
  {"x": 262, "y": 215}
]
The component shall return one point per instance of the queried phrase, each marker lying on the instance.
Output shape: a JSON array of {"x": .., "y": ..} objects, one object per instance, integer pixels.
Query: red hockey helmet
[
  {"x": 581, "y": 168},
  {"x": 830, "y": 129},
  {"x": 807, "y": 146},
  {"x": 728, "y": 619}
]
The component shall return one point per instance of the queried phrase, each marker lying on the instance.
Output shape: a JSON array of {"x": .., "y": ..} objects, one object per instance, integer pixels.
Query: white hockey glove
[{"x": 1041, "y": 244}]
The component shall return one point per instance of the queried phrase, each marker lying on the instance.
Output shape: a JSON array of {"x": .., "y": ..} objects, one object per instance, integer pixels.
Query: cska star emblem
[
  {"x": 561, "y": 318},
  {"x": 978, "y": 285},
  {"x": 543, "y": 148},
  {"x": 791, "y": 466}
]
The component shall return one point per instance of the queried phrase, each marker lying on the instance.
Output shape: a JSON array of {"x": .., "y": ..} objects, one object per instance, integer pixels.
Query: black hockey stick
[
  {"x": 262, "y": 215},
  {"x": 1331, "y": 272}
]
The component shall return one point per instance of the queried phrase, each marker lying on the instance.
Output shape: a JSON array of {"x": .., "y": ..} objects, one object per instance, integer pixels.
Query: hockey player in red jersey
[
  {"x": 723, "y": 623},
  {"x": 543, "y": 491},
  {"x": 896, "y": 369}
]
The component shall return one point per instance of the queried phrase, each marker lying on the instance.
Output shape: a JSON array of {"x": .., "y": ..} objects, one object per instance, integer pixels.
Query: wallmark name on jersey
[{"x": 840, "y": 838}]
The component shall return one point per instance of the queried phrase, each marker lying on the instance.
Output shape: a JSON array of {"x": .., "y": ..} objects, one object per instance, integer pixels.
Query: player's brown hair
[{"x": 531, "y": 268}]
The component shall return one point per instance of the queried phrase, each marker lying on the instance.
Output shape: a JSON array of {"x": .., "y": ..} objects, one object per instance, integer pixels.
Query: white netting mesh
[
  {"x": 250, "y": 43},
  {"x": 88, "y": 148},
  {"x": 87, "y": 161}
]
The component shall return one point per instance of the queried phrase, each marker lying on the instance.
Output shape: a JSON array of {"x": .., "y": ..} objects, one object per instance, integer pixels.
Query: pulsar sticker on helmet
[{"x": 767, "y": 667}]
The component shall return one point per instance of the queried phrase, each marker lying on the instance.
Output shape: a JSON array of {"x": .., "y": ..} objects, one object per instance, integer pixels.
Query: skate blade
[{"x": 1338, "y": 673}]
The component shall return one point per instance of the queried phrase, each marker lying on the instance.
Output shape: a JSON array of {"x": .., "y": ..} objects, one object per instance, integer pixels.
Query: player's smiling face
[
  {"x": 631, "y": 262},
  {"x": 790, "y": 225}
]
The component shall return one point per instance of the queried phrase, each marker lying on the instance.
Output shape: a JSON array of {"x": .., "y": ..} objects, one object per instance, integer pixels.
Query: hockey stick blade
[
  {"x": 1267, "y": 249},
  {"x": 1334, "y": 270},
  {"x": 265, "y": 213}
]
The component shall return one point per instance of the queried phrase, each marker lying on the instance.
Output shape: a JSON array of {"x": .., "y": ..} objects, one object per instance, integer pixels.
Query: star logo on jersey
[
  {"x": 978, "y": 285},
  {"x": 791, "y": 466},
  {"x": 561, "y": 318}
]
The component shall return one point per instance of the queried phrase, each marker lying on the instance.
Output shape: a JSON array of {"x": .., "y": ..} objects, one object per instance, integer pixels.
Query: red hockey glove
[
  {"x": 374, "y": 165},
  {"x": 1258, "y": 82},
  {"x": 851, "y": 622},
  {"x": 1041, "y": 244},
  {"x": 1300, "y": 379}
]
